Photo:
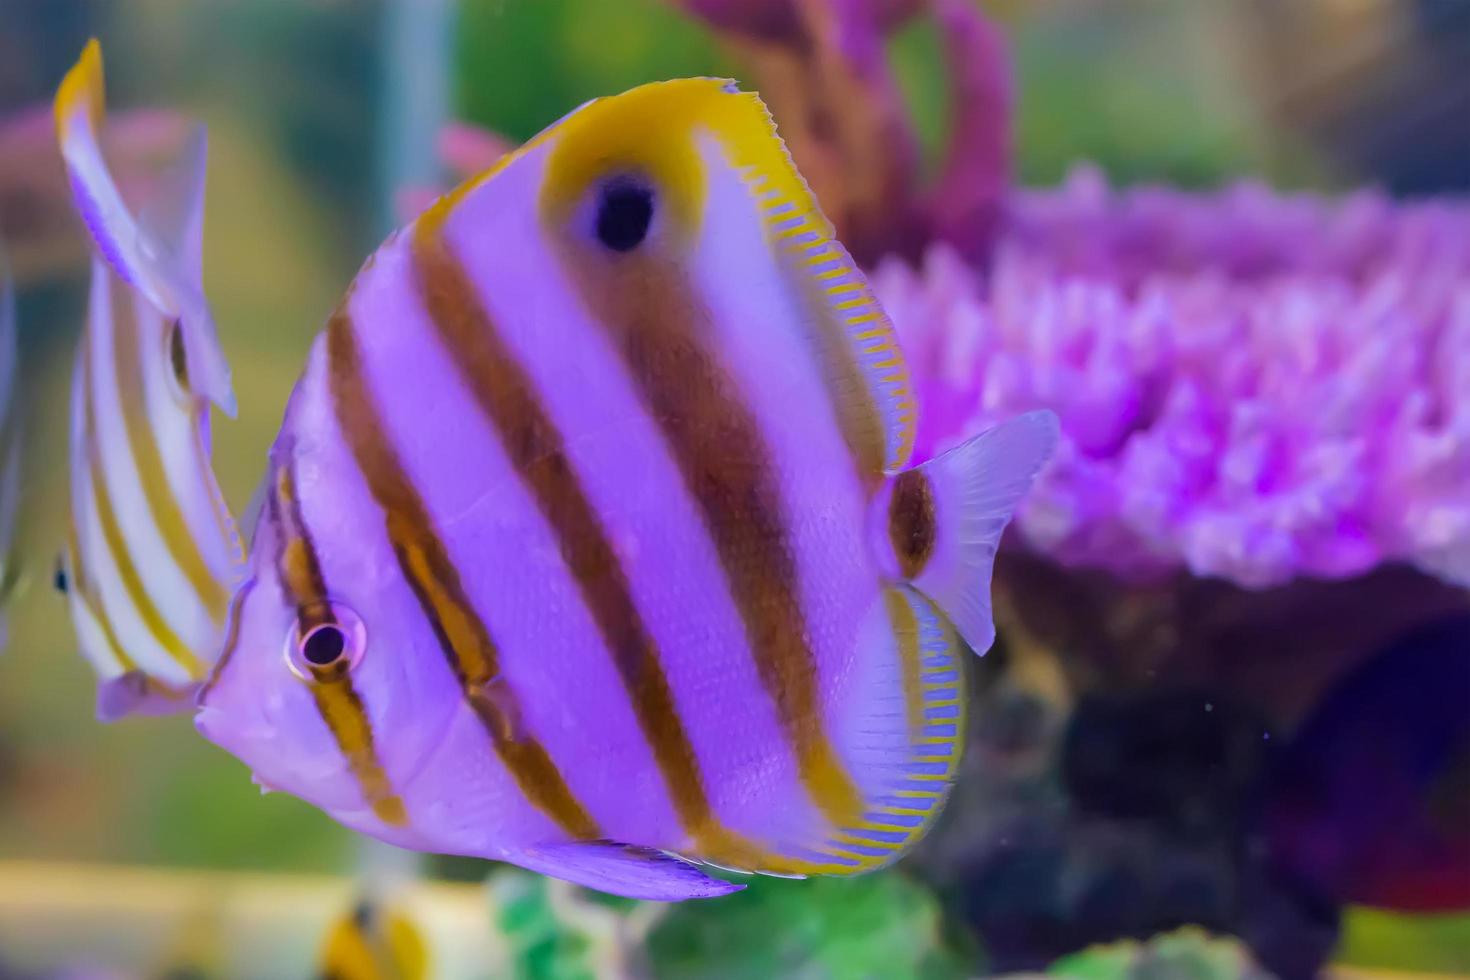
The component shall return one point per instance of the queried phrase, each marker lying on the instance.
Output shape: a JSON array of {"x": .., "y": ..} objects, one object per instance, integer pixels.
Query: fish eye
[
  {"x": 335, "y": 642},
  {"x": 324, "y": 645},
  {"x": 624, "y": 212}
]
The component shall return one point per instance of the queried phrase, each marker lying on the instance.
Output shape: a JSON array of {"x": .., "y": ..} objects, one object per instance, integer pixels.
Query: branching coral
[{"x": 1252, "y": 386}]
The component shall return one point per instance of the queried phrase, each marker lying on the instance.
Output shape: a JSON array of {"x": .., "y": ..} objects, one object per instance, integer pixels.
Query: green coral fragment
[
  {"x": 1189, "y": 954},
  {"x": 551, "y": 930},
  {"x": 882, "y": 925}
]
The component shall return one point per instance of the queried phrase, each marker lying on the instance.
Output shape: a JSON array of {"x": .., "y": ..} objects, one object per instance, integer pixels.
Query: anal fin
[
  {"x": 623, "y": 869},
  {"x": 906, "y": 760},
  {"x": 899, "y": 727}
]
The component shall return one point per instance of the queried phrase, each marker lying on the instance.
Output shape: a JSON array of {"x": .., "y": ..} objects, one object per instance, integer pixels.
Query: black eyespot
[
  {"x": 58, "y": 581},
  {"x": 624, "y": 213},
  {"x": 323, "y": 645},
  {"x": 177, "y": 358}
]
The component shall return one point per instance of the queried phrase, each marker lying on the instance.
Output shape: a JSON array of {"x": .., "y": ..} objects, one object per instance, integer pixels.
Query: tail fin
[{"x": 971, "y": 492}]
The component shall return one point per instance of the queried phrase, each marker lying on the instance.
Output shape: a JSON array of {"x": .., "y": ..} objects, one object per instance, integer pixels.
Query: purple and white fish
[
  {"x": 9, "y": 443},
  {"x": 152, "y": 555},
  {"x": 590, "y": 542}
]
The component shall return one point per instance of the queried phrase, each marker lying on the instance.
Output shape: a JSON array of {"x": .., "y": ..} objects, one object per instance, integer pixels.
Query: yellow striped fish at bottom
[{"x": 376, "y": 940}]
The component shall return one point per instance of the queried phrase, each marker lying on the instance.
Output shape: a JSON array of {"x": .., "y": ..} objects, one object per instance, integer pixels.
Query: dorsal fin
[
  {"x": 160, "y": 256},
  {"x": 174, "y": 218},
  {"x": 857, "y": 340}
]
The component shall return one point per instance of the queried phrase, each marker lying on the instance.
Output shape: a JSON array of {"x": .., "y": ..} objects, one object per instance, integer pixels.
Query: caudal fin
[{"x": 969, "y": 494}]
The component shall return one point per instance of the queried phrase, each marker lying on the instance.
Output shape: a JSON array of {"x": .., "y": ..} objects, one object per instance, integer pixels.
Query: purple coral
[{"x": 1252, "y": 385}]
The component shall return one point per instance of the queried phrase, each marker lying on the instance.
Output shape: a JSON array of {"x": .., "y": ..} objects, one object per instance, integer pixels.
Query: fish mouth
[
  {"x": 249, "y": 737},
  {"x": 329, "y": 787}
]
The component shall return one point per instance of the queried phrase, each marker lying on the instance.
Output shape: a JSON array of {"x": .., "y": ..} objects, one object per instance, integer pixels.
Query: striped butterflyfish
[
  {"x": 591, "y": 541},
  {"x": 152, "y": 556},
  {"x": 9, "y": 442}
]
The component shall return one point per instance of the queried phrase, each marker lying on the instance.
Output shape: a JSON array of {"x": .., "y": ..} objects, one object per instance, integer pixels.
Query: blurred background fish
[
  {"x": 10, "y": 442},
  {"x": 152, "y": 554}
]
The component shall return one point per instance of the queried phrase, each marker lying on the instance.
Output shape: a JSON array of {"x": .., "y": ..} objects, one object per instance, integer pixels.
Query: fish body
[
  {"x": 152, "y": 556},
  {"x": 590, "y": 539},
  {"x": 10, "y": 443}
]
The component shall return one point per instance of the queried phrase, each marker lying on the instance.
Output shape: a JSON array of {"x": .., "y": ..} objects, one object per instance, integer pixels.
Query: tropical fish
[
  {"x": 591, "y": 543},
  {"x": 1370, "y": 802},
  {"x": 375, "y": 941},
  {"x": 9, "y": 443},
  {"x": 152, "y": 555}
]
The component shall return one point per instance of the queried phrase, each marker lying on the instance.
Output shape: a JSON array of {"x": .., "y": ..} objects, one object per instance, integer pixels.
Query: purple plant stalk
[{"x": 781, "y": 21}]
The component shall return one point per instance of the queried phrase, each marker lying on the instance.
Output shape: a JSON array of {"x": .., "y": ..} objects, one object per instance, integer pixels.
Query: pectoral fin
[{"x": 135, "y": 693}]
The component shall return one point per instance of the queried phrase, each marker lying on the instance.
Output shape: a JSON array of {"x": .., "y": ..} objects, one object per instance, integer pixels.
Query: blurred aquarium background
[{"x": 1184, "y": 758}]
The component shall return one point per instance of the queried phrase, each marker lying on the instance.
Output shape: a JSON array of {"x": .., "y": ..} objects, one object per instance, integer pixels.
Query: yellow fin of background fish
[{"x": 159, "y": 255}]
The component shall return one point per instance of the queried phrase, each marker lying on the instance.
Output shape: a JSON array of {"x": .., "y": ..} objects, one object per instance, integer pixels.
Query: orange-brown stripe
[
  {"x": 658, "y": 326},
  {"x": 848, "y": 391},
  {"x": 464, "y": 638},
  {"x": 173, "y": 527},
  {"x": 911, "y": 521},
  {"x": 87, "y": 594},
  {"x": 116, "y": 543},
  {"x": 905, "y": 626},
  {"x": 301, "y": 572},
  {"x": 507, "y": 396},
  {"x": 336, "y": 698}
]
